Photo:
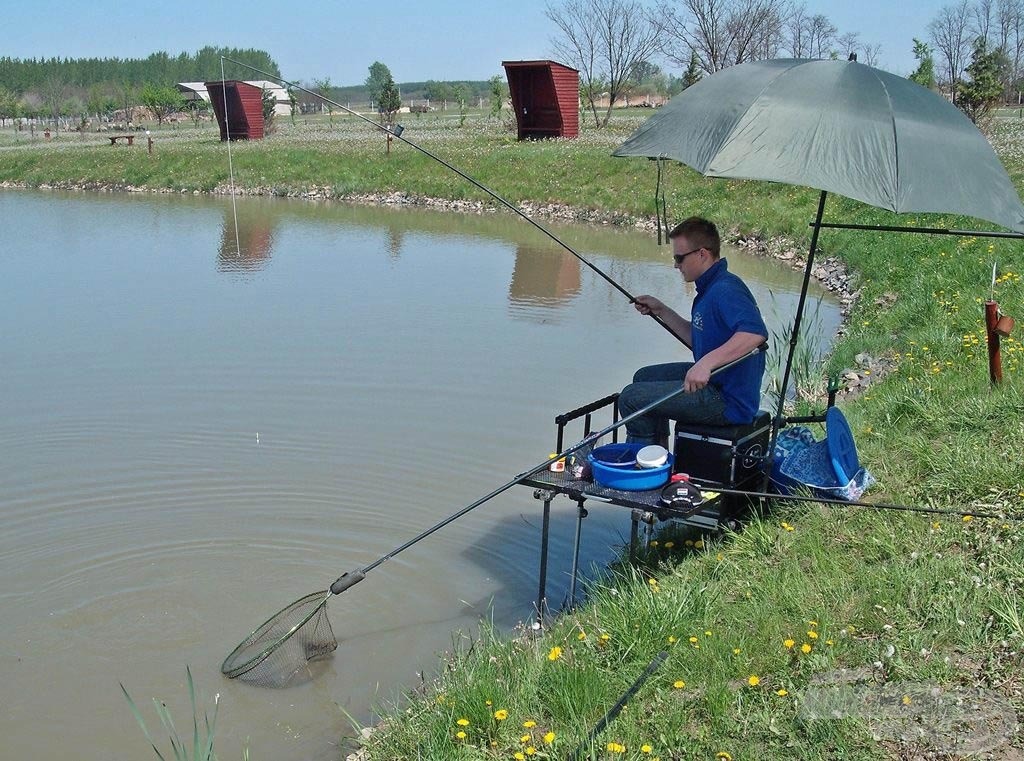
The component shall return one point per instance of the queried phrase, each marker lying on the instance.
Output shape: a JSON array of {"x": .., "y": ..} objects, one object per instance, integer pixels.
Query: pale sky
[{"x": 437, "y": 39}]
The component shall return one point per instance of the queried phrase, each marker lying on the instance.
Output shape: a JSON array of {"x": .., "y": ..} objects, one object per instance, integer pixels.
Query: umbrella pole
[{"x": 777, "y": 420}]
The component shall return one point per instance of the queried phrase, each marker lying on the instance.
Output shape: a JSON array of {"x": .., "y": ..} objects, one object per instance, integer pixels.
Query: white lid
[{"x": 653, "y": 456}]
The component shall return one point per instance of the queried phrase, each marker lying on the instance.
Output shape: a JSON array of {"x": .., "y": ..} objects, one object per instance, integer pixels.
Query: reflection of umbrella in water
[{"x": 836, "y": 126}]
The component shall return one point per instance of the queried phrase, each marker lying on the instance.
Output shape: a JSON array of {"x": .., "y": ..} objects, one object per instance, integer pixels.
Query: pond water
[{"x": 201, "y": 426}]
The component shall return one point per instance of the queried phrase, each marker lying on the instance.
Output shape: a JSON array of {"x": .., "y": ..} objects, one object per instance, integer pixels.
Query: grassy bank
[{"x": 806, "y": 606}]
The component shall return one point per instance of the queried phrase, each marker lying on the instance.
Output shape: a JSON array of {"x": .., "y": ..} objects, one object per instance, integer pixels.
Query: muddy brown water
[{"x": 199, "y": 428}]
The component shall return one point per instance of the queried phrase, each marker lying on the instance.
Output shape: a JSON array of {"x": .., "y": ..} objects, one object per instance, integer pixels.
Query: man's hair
[{"x": 700, "y": 232}]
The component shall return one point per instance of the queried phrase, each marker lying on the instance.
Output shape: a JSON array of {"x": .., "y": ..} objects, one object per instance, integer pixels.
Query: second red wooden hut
[{"x": 546, "y": 98}]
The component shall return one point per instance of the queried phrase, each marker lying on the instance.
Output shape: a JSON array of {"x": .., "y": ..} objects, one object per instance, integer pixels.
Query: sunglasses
[{"x": 678, "y": 258}]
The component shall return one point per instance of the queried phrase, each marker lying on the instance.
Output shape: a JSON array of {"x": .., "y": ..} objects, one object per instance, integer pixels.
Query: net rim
[{"x": 230, "y": 670}]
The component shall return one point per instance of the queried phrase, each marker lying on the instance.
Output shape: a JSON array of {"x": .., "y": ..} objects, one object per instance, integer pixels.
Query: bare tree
[
  {"x": 797, "y": 24},
  {"x": 720, "y": 32},
  {"x": 821, "y": 36},
  {"x": 847, "y": 43},
  {"x": 55, "y": 92},
  {"x": 981, "y": 19},
  {"x": 950, "y": 32},
  {"x": 1010, "y": 29},
  {"x": 605, "y": 40},
  {"x": 872, "y": 53}
]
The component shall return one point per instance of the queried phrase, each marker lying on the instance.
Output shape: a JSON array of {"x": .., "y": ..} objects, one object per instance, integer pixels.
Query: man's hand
[
  {"x": 649, "y": 305},
  {"x": 697, "y": 377}
]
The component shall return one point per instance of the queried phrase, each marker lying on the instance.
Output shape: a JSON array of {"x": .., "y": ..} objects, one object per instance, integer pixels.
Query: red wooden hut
[
  {"x": 545, "y": 97},
  {"x": 244, "y": 117}
]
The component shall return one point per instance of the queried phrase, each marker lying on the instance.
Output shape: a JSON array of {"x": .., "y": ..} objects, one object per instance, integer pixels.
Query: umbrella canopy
[{"x": 837, "y": 126}]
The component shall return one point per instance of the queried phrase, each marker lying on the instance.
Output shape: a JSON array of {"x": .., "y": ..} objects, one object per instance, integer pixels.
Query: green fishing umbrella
[
  {"x": 836, "y": 126},
  {"x": 839, "y": 127}
]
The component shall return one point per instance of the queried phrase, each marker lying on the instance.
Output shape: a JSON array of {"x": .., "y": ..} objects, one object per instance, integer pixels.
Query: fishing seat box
[{"x": 722, "y": 455}]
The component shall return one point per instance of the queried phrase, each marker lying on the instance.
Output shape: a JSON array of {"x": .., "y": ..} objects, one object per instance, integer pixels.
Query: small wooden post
[{"x": 995, "y": 362}]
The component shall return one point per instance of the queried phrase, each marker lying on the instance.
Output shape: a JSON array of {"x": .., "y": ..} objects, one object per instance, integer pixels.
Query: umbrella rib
[{"x": 895, "y": 137}]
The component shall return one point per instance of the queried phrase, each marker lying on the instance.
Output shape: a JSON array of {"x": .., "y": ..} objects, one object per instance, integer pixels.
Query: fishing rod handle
[{"x": 347, "y": 580}]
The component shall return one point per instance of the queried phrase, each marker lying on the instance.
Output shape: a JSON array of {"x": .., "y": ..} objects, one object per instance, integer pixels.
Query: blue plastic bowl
[{"x": 614, "y": 467}]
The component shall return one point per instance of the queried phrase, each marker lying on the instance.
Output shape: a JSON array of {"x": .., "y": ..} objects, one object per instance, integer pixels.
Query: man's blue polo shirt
[{"x": 724, "y": 306}]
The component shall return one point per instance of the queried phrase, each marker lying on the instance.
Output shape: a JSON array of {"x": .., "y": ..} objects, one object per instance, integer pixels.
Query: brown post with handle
[{"x": 995, "y": 362}]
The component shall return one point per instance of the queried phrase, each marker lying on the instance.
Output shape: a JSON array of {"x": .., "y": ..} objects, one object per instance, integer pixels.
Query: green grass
[{"x": 894, "y": 597}]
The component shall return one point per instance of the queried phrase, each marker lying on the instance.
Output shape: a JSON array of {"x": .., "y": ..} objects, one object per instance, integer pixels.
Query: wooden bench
[{"x": 115, "y": 138}]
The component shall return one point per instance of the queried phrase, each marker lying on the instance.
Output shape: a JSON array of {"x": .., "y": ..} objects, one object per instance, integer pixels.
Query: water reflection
[
  {"x": 543, "y": 277},
  {"x": 246, "y": 241}
]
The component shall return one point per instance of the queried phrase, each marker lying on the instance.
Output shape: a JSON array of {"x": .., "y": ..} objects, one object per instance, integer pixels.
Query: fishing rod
[
  {"x": 396, "y": 132},
  {"x": 855, "y": 503},
  {"x": 260, "y": 657}
]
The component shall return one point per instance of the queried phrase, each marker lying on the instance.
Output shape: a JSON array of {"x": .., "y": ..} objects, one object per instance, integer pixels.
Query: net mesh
[{"x": 278, "y": 654}]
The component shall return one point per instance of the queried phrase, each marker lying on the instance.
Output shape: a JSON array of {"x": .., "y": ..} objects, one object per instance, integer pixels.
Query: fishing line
[
  {"x": 854, "y": 503},
  {"x": 231, "y": 166},
  {"x": 396, "y": 132}
]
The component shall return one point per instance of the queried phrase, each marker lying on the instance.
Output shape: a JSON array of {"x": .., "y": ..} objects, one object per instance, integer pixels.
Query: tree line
[
  {"x": 77, "y": 87},
  {"x": 22, "y": 75}
]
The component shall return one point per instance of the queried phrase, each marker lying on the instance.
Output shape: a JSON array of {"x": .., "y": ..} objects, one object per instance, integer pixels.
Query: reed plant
[{"x": 201, "y": 746}]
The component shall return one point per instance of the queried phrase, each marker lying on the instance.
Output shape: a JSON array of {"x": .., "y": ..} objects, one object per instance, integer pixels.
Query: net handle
[
  {"x": 354, "y": 577},
  {"x": 347, "y": 580}
]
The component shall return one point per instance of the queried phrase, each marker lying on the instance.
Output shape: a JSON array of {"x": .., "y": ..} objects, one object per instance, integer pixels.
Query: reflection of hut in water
[
  {"x": 250, "y": 250},
  {"x": 543, "y": 277}
]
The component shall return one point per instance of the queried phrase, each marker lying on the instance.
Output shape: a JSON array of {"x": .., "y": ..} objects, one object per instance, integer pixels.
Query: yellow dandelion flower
[
  {"x": 679, "y": 684},
  {"x": 555, "y": 653},
  {"x": 461, "y": 735},
  {"x": 549, "y": 738},
  {"x": 781, "y": 693},
  {"x": 753, "y": 680},
  {"x": 968, "y": 518},
  {"x": 736, "y": 651},
  {"x": 581, "y": 636},
  {"x": 723, "y": 756},
  {"x": 688, "y": 542},
  {"x": 788, "y": 644},
  {"x": 699, "y": 544},
  {"x": 531, "y": 750},
  {"x": 829, "y": 642},
  {"x": 654, "y": 543},
  {"x": 669, "y": 545},
  {"x": 605, "y": 637},
  {"x": 671, "y": 639},
  {"x": 906, "y": 700},
  {"x": 645, "y": 748},
  {"x": 501, "y": 714},
  {"x": 707, "y": 633},
  {"x": 614, "y": 747},
  {"x": 812, "y": 634},
  {"x": 812, "y": 623},
  {"x": 519, "y": 756},
  {"x": 529, "y": 723},
  {"x": 693, "y": 639},
  {"x": 524, "y": 739},
  {"x": 463, "y": 722},
  {"x": 805, "y": 648}
]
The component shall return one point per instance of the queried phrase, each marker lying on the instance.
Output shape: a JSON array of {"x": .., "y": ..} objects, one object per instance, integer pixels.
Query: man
[{"x": 725, "y": 325}]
